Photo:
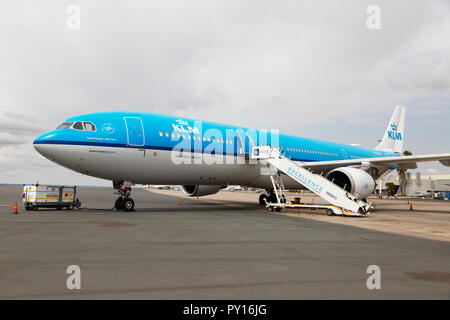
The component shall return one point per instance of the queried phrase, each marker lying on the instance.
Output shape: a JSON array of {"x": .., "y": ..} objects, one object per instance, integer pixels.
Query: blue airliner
[{"x": 204, "y": 157}]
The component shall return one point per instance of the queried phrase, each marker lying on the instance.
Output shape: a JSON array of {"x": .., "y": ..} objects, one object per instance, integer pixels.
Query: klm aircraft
[{"x": 203, "y": 157}]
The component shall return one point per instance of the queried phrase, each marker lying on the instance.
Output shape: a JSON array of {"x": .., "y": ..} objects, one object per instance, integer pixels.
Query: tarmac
[
  {"x": 217, "y": 248},
  {"x": 428, "y": 219}
]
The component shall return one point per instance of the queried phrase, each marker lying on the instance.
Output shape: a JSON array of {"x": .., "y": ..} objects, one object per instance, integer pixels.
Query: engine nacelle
[
  {"x": 355, "y": 181},
  {"x": 445, "y": 162},
  {"x": 200, "y": 190}
]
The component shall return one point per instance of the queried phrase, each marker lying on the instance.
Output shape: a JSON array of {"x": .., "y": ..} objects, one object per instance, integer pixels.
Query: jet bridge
[{"x": 318, "y": 184}]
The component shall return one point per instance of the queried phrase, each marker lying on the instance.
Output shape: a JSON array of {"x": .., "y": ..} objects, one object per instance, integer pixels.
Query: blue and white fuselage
[
  {"x": 149, "y": 148},
  {"x": 137, "y": 147}
]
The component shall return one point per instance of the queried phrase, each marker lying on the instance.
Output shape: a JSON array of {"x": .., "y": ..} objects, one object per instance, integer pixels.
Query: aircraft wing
[{"x": 444, "y": 158}]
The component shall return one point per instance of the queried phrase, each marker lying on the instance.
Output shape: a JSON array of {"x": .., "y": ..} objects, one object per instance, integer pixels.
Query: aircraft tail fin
[{"x": 393, "y": 137}]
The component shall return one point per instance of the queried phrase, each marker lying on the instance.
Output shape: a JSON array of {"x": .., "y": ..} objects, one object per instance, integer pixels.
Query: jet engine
[
  {"x": 200, "y": 190},
  {"x": 355, "y": 181},
  {"x": 445, "y": 162}
]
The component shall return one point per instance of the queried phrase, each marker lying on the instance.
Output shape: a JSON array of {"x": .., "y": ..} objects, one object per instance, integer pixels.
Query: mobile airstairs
[{"x": 340, "y": 201}]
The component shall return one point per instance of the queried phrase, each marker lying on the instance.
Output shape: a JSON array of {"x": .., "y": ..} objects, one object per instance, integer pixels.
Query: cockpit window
[
  {"x": 89, "y": 126},
  {"x": 65, "y": 125},
  {"x": 78, "y": 125}
]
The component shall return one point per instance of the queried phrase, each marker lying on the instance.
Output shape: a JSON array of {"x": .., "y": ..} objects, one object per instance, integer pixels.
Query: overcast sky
[{"x": 310, "y": 68}]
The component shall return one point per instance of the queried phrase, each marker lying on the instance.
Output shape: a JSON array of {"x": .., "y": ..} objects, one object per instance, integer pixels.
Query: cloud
[{"x": 310, "y": 68}]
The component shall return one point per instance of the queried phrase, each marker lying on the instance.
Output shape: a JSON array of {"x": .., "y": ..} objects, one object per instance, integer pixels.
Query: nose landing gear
[{"x": 124, "y": 202}]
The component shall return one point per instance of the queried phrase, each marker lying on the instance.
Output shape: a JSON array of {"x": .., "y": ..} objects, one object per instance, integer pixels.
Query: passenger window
[{"x": 78, "y": 126}]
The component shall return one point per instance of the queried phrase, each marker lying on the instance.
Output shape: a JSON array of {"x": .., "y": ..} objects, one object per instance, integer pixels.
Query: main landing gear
[{"x": 124, "y": 202}]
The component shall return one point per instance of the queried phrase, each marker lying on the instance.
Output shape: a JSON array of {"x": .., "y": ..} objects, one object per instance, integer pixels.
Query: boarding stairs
[{"x": 316, "y": 183}]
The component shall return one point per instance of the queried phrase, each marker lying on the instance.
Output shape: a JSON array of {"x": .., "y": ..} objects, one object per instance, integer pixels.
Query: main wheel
[
  {"x": 262, "y": 199},
  {"x": 128, "y": 204}
]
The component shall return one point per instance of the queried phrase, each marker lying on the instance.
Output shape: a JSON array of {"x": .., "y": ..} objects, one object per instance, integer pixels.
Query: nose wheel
[{"x": 126, "y": 204}]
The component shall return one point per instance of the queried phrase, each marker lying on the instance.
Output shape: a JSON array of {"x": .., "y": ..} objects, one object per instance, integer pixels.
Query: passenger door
[{"x": 135, "y": 132}]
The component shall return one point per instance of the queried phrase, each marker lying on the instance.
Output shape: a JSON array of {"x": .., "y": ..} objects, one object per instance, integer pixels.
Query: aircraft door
[{"x": 135, "y": 131}]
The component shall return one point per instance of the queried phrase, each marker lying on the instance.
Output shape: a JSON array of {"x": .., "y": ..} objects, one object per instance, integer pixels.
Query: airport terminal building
[{"x": 419, "y": 185}]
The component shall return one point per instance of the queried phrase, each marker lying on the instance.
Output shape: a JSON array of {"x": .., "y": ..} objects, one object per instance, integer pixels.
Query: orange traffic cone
[
  {"x": 411, "y": 208},
  {"x": 179, "y": 202},
  {"x": 15, "y": 208}
]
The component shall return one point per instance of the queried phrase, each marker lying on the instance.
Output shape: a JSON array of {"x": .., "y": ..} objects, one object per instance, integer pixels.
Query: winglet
[{"x": 393, "y": 137}]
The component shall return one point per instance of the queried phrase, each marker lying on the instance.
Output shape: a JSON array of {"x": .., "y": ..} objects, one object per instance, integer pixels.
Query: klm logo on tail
[
  {"x": 393, "y": 133},
  {"x": 393, "y": 136}
]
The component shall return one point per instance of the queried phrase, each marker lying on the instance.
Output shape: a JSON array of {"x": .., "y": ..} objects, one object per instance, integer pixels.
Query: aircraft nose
[
  {"x": 42, "y": 144},
  {"x": 41, "y": 149},
  {"x": 36, "y": 147},
  {"x": 45, "y": 137}
]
